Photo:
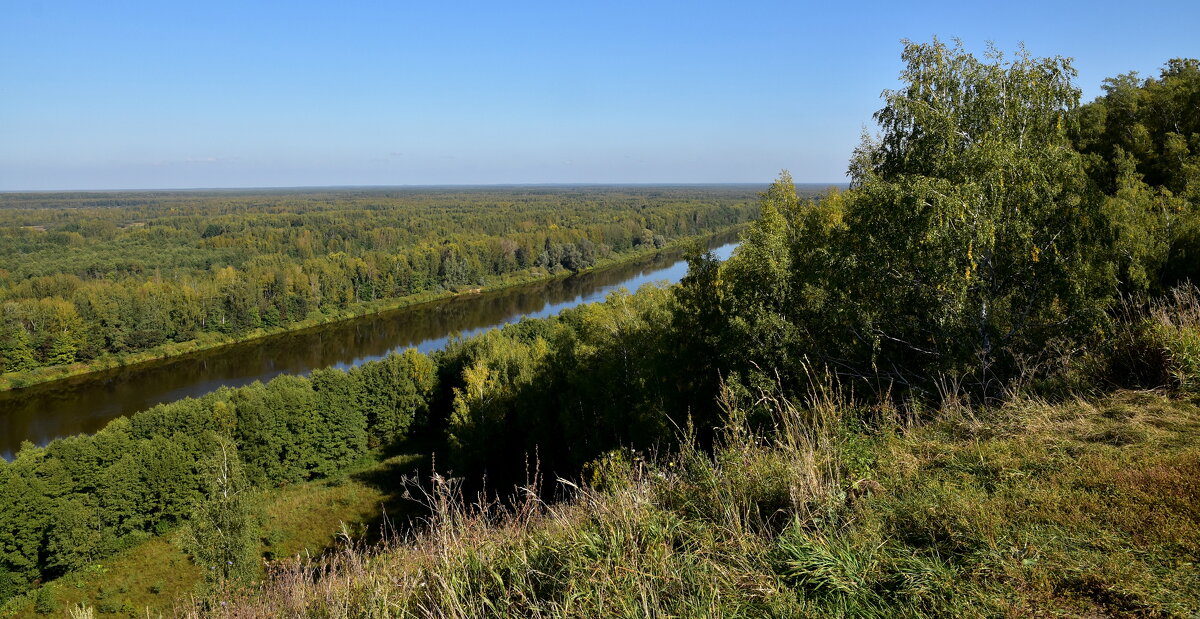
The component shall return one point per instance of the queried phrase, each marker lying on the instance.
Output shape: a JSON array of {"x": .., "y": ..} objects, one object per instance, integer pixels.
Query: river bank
[
  {"x": 215, "y": 341},
  {"x": 87, "y": 402}
]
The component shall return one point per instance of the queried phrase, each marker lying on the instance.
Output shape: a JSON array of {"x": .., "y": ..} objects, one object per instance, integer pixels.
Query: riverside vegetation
[
  {"x": 97, "y": 280},
  {"x": 969, "y": 385}
]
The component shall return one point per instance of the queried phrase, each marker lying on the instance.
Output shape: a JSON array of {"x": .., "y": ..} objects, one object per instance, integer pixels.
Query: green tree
[
  {"x": 783, "y": 298},
  {"x": 16, "y": 351},
  {"x": 1145, "y": 222},
  {"x": 1154, "y": 121},
  {"x": 172, "y": 484},
  {"x": 394, "y": 393},
  {"x": 1141, "y": 142},
  {"x": 276, "y": 427},
  {"x": 221, "y": 535},
  {"x": 974, "y": 235},
  {"x": 75, "y": 536},
  {"x": 46, "y": 600},
  {"x": 342, "y": 429},
  {"x": 122, "y": 490},
  {"x": 24, "y": 516}
]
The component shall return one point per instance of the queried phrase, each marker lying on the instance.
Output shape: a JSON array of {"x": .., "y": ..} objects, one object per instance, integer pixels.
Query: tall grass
[
  {"x": 1175, "y": 322},
  {"x": 689, "y": 534},
  {"x": 1153, "y": 345}
]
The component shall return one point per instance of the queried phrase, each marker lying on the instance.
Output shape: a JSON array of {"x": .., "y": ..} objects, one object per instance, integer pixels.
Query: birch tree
[{"x": 976, "y": 237}]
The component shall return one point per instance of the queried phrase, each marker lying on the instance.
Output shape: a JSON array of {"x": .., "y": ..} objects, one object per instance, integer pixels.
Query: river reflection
[{"x": 86, "y": 403}]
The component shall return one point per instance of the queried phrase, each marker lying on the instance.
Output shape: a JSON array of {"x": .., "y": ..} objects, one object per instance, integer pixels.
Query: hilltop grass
[{"x": 1082, "y": 508}]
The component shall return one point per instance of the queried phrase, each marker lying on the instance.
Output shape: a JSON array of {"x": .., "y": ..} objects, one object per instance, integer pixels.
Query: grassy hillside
[{"x": 1078, "y": 508}]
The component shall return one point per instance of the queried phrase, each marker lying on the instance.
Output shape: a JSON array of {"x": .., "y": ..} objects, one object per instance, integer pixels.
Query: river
[{"x": 86, "y": 403}]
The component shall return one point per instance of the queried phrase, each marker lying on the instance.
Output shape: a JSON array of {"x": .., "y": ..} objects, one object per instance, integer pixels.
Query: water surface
[{"x": 86, "y": 403}]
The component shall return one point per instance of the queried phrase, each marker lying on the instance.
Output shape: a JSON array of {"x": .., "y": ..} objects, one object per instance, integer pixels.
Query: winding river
[{"x": 86, "y": 403}]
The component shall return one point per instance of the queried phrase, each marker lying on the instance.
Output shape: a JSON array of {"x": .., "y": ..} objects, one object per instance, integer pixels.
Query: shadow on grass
[{"x": 402, "y": 465}]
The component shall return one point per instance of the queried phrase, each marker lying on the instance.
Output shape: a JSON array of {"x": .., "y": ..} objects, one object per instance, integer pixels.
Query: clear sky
[{"x": 166, "y": 94}]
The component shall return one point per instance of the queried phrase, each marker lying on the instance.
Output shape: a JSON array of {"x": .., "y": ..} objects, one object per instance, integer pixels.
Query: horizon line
[{"x": 410, "y": 186}]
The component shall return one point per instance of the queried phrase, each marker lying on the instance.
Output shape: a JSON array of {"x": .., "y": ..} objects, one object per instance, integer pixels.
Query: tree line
[
  {"x": 84, "y": 497},
  {"x": 85, "y": 280}
]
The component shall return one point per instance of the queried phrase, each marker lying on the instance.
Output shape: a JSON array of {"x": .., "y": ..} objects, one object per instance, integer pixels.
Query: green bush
[
  {"x": 46, "y": 601},
  {"x": 10, "y": 585}
]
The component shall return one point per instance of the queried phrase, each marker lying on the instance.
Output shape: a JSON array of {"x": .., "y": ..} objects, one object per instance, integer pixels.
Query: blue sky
[{"x": 125, "y": 95}]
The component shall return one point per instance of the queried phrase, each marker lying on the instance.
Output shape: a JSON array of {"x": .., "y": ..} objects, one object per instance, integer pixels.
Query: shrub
[{"x": 46, "y": 601}]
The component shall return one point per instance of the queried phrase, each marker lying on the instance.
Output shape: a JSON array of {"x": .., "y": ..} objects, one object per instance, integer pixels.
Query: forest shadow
[{"x": 405, "y": 467}]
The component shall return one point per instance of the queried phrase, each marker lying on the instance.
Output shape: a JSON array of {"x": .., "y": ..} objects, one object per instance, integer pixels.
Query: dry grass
[
  {"x": 1154, "y": 347},
  {"x": 1176, "y": 324}
]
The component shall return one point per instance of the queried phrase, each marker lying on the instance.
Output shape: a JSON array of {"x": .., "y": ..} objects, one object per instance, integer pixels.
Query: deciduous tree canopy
[{"x": 94, "y": 275}]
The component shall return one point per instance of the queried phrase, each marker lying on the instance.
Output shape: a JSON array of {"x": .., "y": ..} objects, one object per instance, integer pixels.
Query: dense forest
[
  {"x": 88, "y": 276},
  {"x": 1002, "y": 256}
]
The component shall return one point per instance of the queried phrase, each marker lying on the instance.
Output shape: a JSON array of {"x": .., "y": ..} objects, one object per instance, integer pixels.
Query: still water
[{"x": 44, "y": 412}]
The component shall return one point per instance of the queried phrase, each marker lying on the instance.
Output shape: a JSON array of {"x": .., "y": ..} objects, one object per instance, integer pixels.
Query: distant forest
[{"x": 88, "y": 275}]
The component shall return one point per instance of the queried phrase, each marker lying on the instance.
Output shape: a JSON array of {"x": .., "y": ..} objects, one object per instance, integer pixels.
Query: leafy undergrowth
[
  {"x": 1088, "y": 508},
  {"x": 156, "y": 577}
]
